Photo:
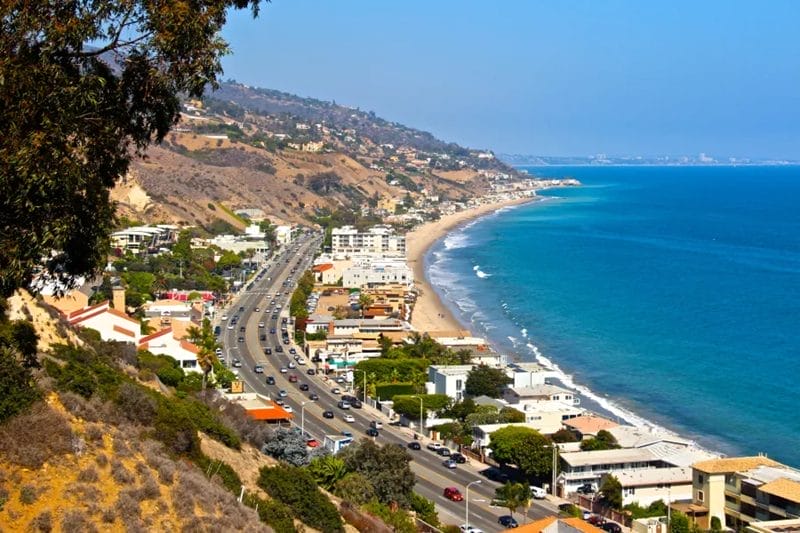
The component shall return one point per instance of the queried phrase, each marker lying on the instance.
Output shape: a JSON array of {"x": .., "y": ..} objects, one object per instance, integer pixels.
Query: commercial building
[
  {"x": 377, "y": 241},
  {"x": 144, "y": 239},
  {"x": 372, "y": 272}
]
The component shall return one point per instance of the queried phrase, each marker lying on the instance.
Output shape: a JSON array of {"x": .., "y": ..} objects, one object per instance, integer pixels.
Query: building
[
  {"x": 371, "y": 272},
  {"x": 540, "y": 398},
  {"x": 553, "y": 524},
  {"x": 283, "y": 235},
  {"x": 546, "y": 425},
  {"x": 112, "y": 324},
  {"x": 527, "y": 374},
  {"x": 253, "y": 240},
  {"x": 448, "y": 379},
  {"x": 647, "y": 485},
  {"x": 350, "y": 326},
  {"x": 325, "y": 273},
  {"x": 378, "y": 241},
  {"x": 260, "y": 407},
  {"x": 588, "y": 425},
  {"x": 144, "y": 239},
  {"x": 746, "y": 491},
  {"x": 164, "y": 342}
]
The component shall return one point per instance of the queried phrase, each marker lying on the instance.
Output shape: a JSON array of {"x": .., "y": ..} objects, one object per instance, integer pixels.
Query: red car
[
  {"x": 312, "y": 443},
  {"x": 292, "y": 379},
  {"x": 452, "y": 493}
]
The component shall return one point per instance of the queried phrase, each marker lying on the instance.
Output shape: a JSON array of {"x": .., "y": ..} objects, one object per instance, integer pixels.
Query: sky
[{"x": 552, "y": 78}]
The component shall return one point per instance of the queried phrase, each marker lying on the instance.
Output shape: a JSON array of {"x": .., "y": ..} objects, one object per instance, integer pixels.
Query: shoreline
[{"x": 430, "y": 312}]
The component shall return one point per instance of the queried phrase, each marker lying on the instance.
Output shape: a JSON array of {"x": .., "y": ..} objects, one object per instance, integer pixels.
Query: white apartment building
[
  {"x": 283, "y": 234},
  {"x": 374, "y": 272},
  {"x": 143, "y": 239},
  {"x": 527, "y": 374},
  {"x": 253, "y": 239},
  {"x": 377, "y": 241},
  {"x": 448, "y": 379},
  {"x": 539, "y": 399}
]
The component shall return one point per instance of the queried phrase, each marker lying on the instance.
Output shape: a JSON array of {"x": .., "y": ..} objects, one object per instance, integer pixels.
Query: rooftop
[
  {"x": 589, "y": 424},
  {"x": 733, "y": 464},
  {"x": 539, "y": 390},
  {"x": 643, "y": 477},
  {"x": 788, "y": 489}
]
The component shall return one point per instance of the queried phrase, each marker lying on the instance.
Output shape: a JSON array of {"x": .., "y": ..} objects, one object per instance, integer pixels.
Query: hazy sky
[{"x": 550, "y": 78}]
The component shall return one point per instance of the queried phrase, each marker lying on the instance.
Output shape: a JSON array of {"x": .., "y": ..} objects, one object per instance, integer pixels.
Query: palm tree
[
  {"x": 513, "y": 496},
  {"x": 327, "y": 470}
]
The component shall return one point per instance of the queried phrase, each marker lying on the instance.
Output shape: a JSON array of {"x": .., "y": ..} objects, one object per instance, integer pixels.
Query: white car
[
  {"x": 348, "y": 418},
  {"x": 288, "y": 408},
  {"x": 301, "y": 361},
  {"x": 336, "y": 390}
]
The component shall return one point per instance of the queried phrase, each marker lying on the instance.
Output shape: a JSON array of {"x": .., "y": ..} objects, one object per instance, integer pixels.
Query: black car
[
  {"x": 274, "y": 317},
  {"x": 414, "y": 445},
  {"x": 272, "y": 331},
  {"x": 444, "y": 452},
  {"x": 262, "y": 337},
  {"x": 457, "y": 457},
  {"x": 285, "y": 341},
  {"x": 586, "y": 488},
  {"x": 304, "y": 386},
  {"x": 279, "y": 348},
  {"x": 270, "y": 380},
  {"x": 612, "y": 527},
  {"x": 313, "y": 396},
  {"x": 242, "y": 329},
  {"x": 240, "y": 339},
  {"x": 372, "y": 432},
  {"x": 356, "y": 404},
  {"x": 310, "y": 372},
  {"x": 507, "y": 521},
  {"x": 495, "y": 475},
  {"x": 327, "y": 414},
  {"x": 267, "y": 351}
]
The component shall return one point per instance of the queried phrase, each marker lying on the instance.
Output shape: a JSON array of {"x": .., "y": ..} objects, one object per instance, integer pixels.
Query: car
[
  {"x": 443, "y": 451},
  {"x": 347, "y": 434},
  {"x": 348, "y": 418},
  {"x": 372, "y": 432},
  {"x": 260, "y": 325},
  {"x": 304, "y": 387},
  {"x": 267, "y": 351},
  {"x": 258, "y": 309},
  {"x": 507, "y": 521},
  {"x": 414, "y": 445},
  {"x": 258, "y": 369},
  {"x": 586, "y": 488},
  {"x": 272, "y": 331},
  {"x": 340, "y": 380},
  {"x": 464, "y": 528},
  {"x": 612, "y": 527},
  {"x": 457, "y": 457},
  {"x": 327, "y": 414},
  {"x": 313, "y": 396},
  {"x": 495, "y": 474},
  {"x": 236, "y": 363},
  {"x": 240, "y": 339},
  {"x": 270, "y": 380},
  {"x": 288, "y": 408},
  {"x": 449, "y": 463},
  {"x": 292, "y": 351},
  {"x": 241, "y": 309},
  {"x": 279, "y": 402},
  {"x": 433, "y": 446},
  {"x": 453, "y": 494},
  {"x": 293, "y": 379},
  {"x": 335, "y": 390},
  {"x": 292, "y": 365},
  {"x": 230, "y": 326},
  {"x": 274, "y": 317},
  {"x": 596, "y": 520},
  {"x": 300, "y": 361},
  {"x": 283, "y": 394},
  {"x": 279, "y": 349},
  {"x": 224, "y": 317},
  {"x": 311, "y": 372},
  {"x": 343, "y": 404},
  {"x": 285, "y": 341},
  {"x": 538, "y": 493},
  {"x": 312, "y": 443},
  {"x": 242, "y": 329},
  {"x": 375, "y": 424},
  {"x": 262, "y": 337},
  {"x": 586, "y": 515},
  {"x": 284, "y": 370}
]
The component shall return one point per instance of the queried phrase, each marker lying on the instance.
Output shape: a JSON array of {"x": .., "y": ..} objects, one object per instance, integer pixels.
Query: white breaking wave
[
  {"x": 481, "y": 274},
  {"x": 456, "y": 240},
  {"x": 524, "y": 333}
]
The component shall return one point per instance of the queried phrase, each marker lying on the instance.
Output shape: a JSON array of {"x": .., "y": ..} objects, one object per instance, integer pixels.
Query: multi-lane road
[{"x": 276, "y": 283}]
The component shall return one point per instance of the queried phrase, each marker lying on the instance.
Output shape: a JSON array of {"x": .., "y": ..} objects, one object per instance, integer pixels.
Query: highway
[{"x": 432, "y": 476}]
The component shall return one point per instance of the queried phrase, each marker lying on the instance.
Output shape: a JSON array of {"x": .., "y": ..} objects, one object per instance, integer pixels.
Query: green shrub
[
  {"x": 425, "y": 509},
  {"x": 387, "y": 391},
  {"x": 296, "y": 488},
  {"x": 273, "y": 513},
  {"x": 77, "y": 378},
  {"x": 165, "y": 367},
  {"x": 399, "y": 520},
  {"x": 230, "y": 479},
  {"x": 17, "y": 389}
]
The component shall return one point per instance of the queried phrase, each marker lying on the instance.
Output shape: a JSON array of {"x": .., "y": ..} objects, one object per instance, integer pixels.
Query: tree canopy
[
  {"x": 73, "y": 115},
  {"x": 484, "y": 380},
  {"x": 524, "y": 447}
]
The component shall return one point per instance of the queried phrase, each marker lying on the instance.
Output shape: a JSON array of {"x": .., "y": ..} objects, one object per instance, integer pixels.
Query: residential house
[
  {"x": 588, "y": 425},
  {"x": 165, "y": 342},
  {"x": 647, "y": 485},
  {"x": 260, "y": 407},
  {"x": 448, "y": 379},
  {"x": 554, "y": 524},
  {"x": 754, "y": 492},
  {"x": 325, "y": 273},
  {"x": 372, "y": 272},
  {"x": 112, "y": 324},
  {"x": 546, "y": 425},
  {"x": 543, "y": 398},
  {"x": 527, "y": 374},
  {"x": 144, "y": 239}
]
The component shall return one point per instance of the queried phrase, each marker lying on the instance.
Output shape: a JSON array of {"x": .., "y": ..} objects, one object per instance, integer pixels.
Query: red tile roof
[
  {"x": 323, "y": 267},
  {"x": 145, "y": 340}
]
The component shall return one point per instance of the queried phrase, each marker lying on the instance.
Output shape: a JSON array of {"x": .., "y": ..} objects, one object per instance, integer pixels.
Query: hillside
[{"x": 294, "y": 158}]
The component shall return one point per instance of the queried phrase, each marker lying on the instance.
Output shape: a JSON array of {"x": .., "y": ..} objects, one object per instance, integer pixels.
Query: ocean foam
[{"x": 456, "y": 240}]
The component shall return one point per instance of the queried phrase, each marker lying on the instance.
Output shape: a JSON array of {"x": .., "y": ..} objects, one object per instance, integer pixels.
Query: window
[
  {"x": 700, "y": 479},
  {"x": 700, "y": 495},
  {"x": 459, "y": 384}
]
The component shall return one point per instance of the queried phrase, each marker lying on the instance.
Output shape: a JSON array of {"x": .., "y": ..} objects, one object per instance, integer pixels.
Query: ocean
[{"x": 669, "y": 296}]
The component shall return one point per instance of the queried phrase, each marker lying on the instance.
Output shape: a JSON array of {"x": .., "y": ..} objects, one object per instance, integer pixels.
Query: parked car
[
  {"x": 457, "y": 457},
  {"x": 372, "y": 432},
  {"x": 335, "y": 390},
  {"x": 433, "y": 446},
  {"x": 292, "y": 365},
  {"x": 375, "y": 424},
  {"x": 288, "y": 408},
  {"x": 612, "y": 527},
  {"x": 283, "y": 394},
  {"x": 495, "y": 474},
  {"x": 312, "y": 443},
  {"x": 453, "y": 494},
  {"x": 596, "y": 520},
  {"x": 507, "y": 521},
  {"x": 449, "y": 463},
  {"x": 311, "y": 372},
  {"x": 414, "y": 445},
  {"x": 327, "y": 414},
  {"x": 443, "y": 451},
  {"x": 538, "y": 493},
  {"x": 586, "y": 488}
]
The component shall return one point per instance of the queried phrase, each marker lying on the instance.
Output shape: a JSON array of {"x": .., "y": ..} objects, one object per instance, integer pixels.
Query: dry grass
[{"x": 36, "y": 436}]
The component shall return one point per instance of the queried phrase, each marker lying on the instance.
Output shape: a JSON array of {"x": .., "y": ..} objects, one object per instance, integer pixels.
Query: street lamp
[
  {"x": 365, "y": 382},
  {"x": 466, "y": 513},
  {"x": 303, "y": 418},
  {"x": 555, "y": 468}
]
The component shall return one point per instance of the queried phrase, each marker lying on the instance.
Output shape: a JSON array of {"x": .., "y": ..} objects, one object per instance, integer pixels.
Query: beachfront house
[
  {"x": 756, "y": 492},
  {"x": 588, "y": 425},
  {"x": 527, "y": 374},
  {"x": 447, "y": 379}
]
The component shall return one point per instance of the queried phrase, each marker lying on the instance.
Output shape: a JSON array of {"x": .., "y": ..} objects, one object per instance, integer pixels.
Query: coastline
[{"x": 430, "y": 313}]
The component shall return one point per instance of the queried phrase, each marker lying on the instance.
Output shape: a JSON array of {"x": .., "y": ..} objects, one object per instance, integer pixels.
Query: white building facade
[{"x": 377, "y": 241}]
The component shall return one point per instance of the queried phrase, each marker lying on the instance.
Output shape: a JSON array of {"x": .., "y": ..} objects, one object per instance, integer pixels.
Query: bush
[
  {"x": 387, "y": 391},
  {"x": 42, "y": 522},
  {"x": 31, "y": 438},
  {"x": 296, "y": 488},
  {"x": 222, "y": 471},
  {"x": 88, "y": 475},
  {"x": 136, "y": 403},
  {"x": 399, "y": 520},
  {"x": 28, "y": 494},
  {"x": 273, "y": 513},
  {"x": 17, "y": 389},
  {"x": 165, "y": 367},
  {"x": 425, "y": 509},
  {"x": 76, "y": 521}
]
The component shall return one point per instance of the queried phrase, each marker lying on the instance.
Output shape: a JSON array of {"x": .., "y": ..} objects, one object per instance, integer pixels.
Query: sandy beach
[{"x": 430, "y": 314}]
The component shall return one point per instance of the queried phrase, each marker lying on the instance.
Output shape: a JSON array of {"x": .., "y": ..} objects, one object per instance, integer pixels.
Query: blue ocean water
[{"x": 670, "y": 292}]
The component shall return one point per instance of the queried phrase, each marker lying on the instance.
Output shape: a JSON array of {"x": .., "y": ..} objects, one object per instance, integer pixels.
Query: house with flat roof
[
  {"x": 647, "y": 485},
  {"x": 527, "y": 374},
  {"x": 448, "y": 379},
  {"x": 379, "y": 241},
  {"x": 260, "y": 407},
  {"x": 746, "y": 492}
]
